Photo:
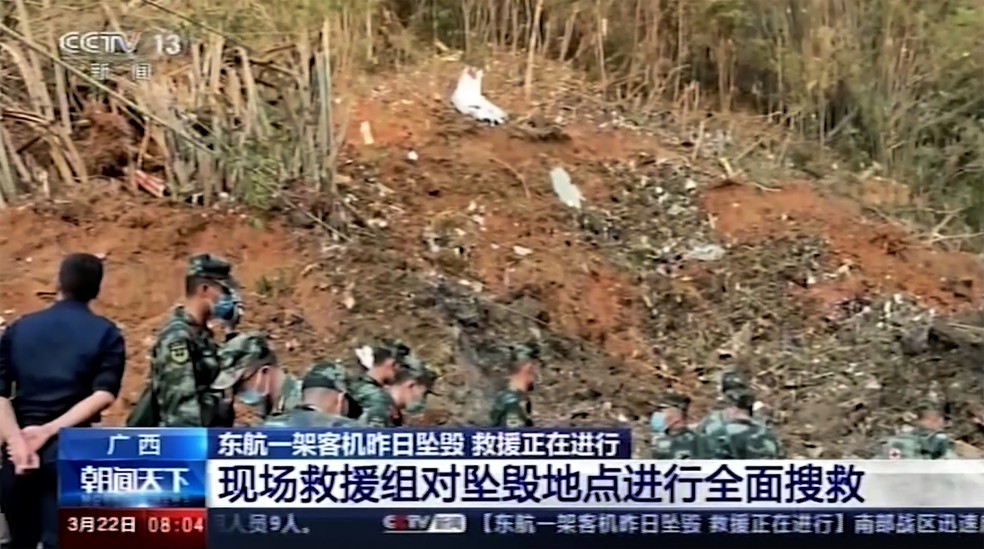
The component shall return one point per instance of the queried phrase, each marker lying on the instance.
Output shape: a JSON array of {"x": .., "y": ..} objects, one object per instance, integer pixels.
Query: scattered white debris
[
  {"x": 366, "y": 130},
  {"x": 348, "y": 299},
  {"x": 705, "y": 252},
  {"x": 568, "y": 193},
  {"x": 471, "y": 284},
  {"x": 468, "y": 99},
  {"x": 365, "y": 356}
]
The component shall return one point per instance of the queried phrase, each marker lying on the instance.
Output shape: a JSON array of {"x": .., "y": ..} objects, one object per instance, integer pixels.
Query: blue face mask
[
  {"x": 250, "y": 397},
  {"x": 658, "y": 422},
  {"x": 227, "y": 309}
]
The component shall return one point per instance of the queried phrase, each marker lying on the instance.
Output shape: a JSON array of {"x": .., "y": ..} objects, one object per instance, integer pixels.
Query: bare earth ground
[{"x": 475, "y": 248}]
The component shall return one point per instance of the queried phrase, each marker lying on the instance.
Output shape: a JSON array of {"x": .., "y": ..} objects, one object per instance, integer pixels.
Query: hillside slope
[{"x": 468, "y": 246}]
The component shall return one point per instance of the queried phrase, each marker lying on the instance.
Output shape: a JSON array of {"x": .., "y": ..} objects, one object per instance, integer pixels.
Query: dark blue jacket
[{"x": 53, "y": 359}]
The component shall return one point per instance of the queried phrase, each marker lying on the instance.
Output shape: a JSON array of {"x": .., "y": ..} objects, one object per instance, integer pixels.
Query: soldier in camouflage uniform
[
  {"x": 927, "y": 440},
  {"x": 385, "y": 408},
  {"x": 250, "y": 372},
  {"x": 369, "y": 388},
  {"x": 325, "y": 401},
  {"x": 737, "y": 435},
  {"x": 184, "y": 359},
  {"x": 511, "y": 406},
  {"x": 428, "y": 378},
  {"x": 672, "y": 437},
  {"x": 730, "y": 382}
]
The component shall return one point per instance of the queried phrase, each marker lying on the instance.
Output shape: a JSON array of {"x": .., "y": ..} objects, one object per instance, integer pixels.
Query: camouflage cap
[
  {"x": 211, "y": 267},
  {"x": 931, "y": 405},
  {"x": 524, "y": 352},
  {"x": 240, "y": 356},
  {"x": 420, "y": 372},
  {"x": 731, "y": 381},
  {"x": 675, "y": 400},
  {"x": 329, "y": 375},
  {"x": 326, "y": 375}
]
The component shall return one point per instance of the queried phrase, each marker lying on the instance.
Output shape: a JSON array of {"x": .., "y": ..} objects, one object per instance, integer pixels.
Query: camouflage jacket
[
  {"x": 712, "y": 421},
  {"x": 682, "y": 444},
  {"x": 241, "y": 352},
  {"x": 919, "y": 443},
  {"x": 184, "y": 362},
  {"x": 715, "y": 418},
  {"x": 364, "y": 388},
  {"x": 305, "y": 415},
  {"x": 511, "y": 408},
  {"x": 378, "y": 408},
  {"x": 290, "y": 395},
  {"x": 739, "y": 438}
]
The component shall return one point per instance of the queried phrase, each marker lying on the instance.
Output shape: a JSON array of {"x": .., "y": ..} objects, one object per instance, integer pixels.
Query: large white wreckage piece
[{"x": 468, "y": 99}]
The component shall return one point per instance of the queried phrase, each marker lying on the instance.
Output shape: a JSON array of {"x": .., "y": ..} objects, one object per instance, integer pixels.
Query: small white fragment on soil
[{"x": 366, "y": 130}]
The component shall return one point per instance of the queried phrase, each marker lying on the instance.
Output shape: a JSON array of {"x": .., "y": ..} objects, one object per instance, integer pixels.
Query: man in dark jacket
[{"x": 65, "y": 366}]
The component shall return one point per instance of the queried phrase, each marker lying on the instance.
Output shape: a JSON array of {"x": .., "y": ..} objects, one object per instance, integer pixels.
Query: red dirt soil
[
  {"x": 147, "y": 243},
  {"x": 883, "y": 259},
  {"x": 146, "y": 247}
]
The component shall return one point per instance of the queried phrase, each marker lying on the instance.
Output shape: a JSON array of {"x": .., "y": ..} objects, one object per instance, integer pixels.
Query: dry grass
[{"x": 893, "y": 84}]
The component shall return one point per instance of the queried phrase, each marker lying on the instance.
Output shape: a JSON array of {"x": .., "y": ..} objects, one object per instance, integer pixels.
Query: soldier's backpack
[
  {"x": 216, "y": 407},
  {"x": 145, "y": 412}
]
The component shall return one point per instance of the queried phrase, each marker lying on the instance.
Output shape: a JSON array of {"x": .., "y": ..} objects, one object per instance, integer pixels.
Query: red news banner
[{"x": 129, "y": 528}]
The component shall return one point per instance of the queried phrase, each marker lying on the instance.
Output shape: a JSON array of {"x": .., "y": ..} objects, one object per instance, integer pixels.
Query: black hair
[
  {"x": 381, "y": 355},
  {"x": 746, "y": 401},
  {"x": 389, "y": 350},
  {"x": 193, "y": 282},
  {"x": 80, "y": 277}
]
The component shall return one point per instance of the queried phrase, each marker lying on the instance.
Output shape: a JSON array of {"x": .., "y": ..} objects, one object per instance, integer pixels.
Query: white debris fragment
[
  {"x": 412, "y": 156},
  {"x": 468, "y": 99},
  {"x": 568, "y": 193},
  {"x": 365, "y": 356},
  {"x": 366, "y": 130},
  {"x": 521, "y": 251},
  {"x": 705, "y": 252}
]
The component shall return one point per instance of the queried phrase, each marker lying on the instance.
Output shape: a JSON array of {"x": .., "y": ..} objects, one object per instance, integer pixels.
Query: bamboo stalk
[{"x": 531, "y": 47}]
